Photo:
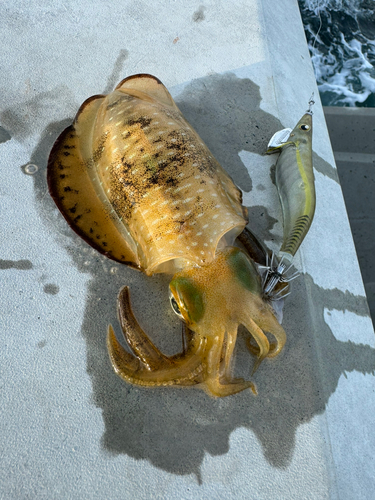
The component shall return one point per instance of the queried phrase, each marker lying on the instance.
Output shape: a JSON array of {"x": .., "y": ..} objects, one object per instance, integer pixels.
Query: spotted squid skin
[{"x": 159, "y": 182}]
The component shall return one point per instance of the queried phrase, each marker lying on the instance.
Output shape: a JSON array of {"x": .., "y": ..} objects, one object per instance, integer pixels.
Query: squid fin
[
  {"x": 149, "y": 85},
  {"x": 71, "y": 187}
]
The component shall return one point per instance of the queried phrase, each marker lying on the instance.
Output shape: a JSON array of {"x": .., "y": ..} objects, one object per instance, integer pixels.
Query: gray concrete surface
[
  {"x": 352, "y": 133},
  {"x": 69, "y": 427}
]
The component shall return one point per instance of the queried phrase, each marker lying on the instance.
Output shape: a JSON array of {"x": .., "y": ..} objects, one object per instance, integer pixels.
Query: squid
[{"x": 136, "y": 182}]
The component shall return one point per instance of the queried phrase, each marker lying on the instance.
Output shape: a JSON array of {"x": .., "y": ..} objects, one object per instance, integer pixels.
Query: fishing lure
[
  {"x": 134, "y": 180},
  {"x": 296, "y": 187}
]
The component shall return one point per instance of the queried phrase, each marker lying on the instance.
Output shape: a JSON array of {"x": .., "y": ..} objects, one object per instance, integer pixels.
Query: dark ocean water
[{"x": 341, "y": 39}]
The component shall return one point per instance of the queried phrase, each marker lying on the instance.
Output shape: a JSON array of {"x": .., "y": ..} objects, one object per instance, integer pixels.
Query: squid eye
[
  {"x": 305, "y": 127},
  {"x": 188, "y": 299},
  {"x": 175, "y": 307}
]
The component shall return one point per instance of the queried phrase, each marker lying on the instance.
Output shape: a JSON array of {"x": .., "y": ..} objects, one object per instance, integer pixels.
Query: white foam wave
[
  {"x": 347, "y": 6},
  {"x": 344, "y": 69},
  {"x": 351, "y": 76}
]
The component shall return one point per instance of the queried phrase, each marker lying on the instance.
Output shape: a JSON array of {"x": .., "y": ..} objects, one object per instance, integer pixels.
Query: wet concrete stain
[
  {"x": 175, "y": 428},
  {"x": 273, "y": 174},
  {"x": 4, "y": 135},
  {"x": 25, "y": 118},
  {"x": 40, "y": 157},
  {"x": 117, "y": 71},
  {"x": 51, "y": 289},
  {"x": 198, "y": 15},
  {"x": 22, "y": 265},
  {"x": 239, "y": 123},
  {"x": 42, "y": 344},
  {"x": 325, "y": 168},
  {"x": 261, "y": 223}
]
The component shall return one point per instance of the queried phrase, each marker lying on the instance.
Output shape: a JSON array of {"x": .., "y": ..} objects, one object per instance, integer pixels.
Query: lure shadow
[{"x": 175, "y": 428}]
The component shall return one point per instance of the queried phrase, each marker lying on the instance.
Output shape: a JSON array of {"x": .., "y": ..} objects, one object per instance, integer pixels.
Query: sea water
[{"x": 341, "y": 40}]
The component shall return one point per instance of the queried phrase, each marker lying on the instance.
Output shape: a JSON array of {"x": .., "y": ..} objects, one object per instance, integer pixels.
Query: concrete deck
[
  {"x": 69, "y": 427},
  {"x": 352, "y": 133}
]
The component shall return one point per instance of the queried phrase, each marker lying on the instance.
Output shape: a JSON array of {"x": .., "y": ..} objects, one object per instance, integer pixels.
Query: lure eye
[{"x": 305, "y": 127}]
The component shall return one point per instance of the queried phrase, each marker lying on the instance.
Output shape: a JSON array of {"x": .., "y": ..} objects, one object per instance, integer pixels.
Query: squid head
[{"x": 212, "y": 301}]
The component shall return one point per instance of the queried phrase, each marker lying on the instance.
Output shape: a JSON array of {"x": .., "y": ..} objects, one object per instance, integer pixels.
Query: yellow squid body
[
  {"x": 134, "y": 179},
  {"x": 164, "y": 193}
]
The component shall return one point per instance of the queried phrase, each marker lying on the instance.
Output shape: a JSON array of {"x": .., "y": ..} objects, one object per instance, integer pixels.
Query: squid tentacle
[
  {"x": 132, "y": 370},
  {"x": 139, "y": 342},
  {"x": 149, "y": 367},
  {"x": 265, "y": 348}
]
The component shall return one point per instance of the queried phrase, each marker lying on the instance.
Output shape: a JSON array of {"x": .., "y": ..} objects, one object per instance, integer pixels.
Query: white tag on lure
[{"x": 279, "y": 138}]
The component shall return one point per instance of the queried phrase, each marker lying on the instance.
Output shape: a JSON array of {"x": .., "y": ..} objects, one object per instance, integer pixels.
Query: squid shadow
[{"x": 175, "y": 428}]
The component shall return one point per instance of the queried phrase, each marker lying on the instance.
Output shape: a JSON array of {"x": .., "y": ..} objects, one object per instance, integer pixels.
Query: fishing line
[{"x": 320, "y": 26}]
